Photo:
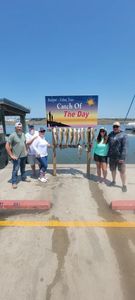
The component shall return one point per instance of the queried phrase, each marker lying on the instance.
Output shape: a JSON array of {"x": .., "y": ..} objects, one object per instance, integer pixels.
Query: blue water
[{"x": 72, "y": 156}]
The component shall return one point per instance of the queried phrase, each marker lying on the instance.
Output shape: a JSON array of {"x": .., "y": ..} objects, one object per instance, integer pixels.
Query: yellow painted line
[{"x": 78, "y": 224}]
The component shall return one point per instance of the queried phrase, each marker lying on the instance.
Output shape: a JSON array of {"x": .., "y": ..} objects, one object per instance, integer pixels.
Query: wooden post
[
  {"x": 3, "y": 121},
  {"x": 88, "y": 160},
  {"x": 88, "y": 150},
  {"x": 22, "y": 120},
  {"x": 90, "y": 138},
  {"x": 54, "y": 160},
  {"x": 54, "y": 155}
]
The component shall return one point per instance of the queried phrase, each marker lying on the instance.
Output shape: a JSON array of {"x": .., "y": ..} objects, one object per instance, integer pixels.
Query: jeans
[
  {"x": 19, "y": 163},
  {"x": 43, "y": 164}
]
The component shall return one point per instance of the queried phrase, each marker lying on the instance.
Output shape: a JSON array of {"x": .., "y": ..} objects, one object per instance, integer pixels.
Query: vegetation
[{"x": 43, "y": 121}]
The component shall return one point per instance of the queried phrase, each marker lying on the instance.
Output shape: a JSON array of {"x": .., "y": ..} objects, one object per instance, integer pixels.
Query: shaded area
[
  {"x": 60, "y": 244},
  {"x": 119, "y": 240},
  {"x": 5, "y": 214}
]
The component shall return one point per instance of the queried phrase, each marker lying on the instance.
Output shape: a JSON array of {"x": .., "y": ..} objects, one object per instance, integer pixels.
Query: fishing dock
[{"x": 79, "y": 239}]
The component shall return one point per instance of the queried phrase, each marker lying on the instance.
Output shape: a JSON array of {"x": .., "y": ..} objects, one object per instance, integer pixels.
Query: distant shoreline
[{"x": 101, "y": 121}]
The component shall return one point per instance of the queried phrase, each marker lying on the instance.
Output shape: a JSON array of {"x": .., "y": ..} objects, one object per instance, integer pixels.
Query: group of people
[
  {"x": 113, "y": 147},
  {"x": 32, "y": 146}
]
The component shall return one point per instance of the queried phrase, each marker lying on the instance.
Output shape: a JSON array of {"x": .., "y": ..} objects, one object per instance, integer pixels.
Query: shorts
[
  {"x": 114, "y": 164},
  {"x": 99, "y": 158},
  {"x": 32, "y": 160}
]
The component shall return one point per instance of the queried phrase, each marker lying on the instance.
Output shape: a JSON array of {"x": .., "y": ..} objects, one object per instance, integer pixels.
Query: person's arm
[
  {"x": 35, "y": 147},
  {"x": 9, "y": 151},
  {"x": 29, "y": 142},
  {"x": 123, "y": 148},
  {"x": 107, "y": 146},
  {"x": 49, "y": 145},
  {"x": 94, "y": 145}
]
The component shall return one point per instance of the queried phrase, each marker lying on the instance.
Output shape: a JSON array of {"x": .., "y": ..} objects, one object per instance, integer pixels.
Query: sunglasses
[
  {"x": 102, "y": 130},
  {"x": 116, "y": 126},
  {"x": 42, "y": 130}
]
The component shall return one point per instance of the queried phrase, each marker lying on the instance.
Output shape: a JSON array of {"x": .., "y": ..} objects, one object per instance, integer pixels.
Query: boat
[{"x": 130, "y": 127}]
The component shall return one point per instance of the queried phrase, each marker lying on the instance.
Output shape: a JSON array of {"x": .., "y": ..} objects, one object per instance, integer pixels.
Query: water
[{"x": 71, "y": 155}]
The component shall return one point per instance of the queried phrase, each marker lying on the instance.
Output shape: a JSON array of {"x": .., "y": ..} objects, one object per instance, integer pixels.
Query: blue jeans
[
  {"x": 43, "y": 164},
  {"x": 19, "y": 163}
]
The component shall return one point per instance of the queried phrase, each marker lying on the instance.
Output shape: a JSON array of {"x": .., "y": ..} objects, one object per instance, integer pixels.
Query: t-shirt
[
  {"x": 18, "y": 144},
  {"x": 40, "y": 146},
  {"x": 100, "y": 148},
  {"x": 29, "y": 137}
]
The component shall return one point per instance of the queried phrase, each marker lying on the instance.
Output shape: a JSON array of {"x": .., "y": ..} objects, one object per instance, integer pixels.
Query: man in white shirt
[
  {"x": 30, "y": 138},
  {"x": 40, "y": 146}
]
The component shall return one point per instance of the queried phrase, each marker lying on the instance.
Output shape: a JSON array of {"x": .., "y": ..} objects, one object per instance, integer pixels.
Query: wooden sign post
[
  {"x": 88, "y": 161},
  {"x": 54, "y": 160}
]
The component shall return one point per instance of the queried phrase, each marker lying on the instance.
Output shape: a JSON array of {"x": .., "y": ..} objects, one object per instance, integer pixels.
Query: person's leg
[
  {"x": 33, "y": 170},
  {"x": 113, "y": 165},
  {"x": 42, "y": 169},
  {"x": 22, "y": 167},
  {"x": 40, "y": 166},
  {"x": 44, "y": 165},
  {"x": 123, "y": 178},
  {"x": 38, "y": 163},
  {"x": 122, "y": 170},
  {"x": 98, "y": 164},
  {"x": 31, "y": 161},
  {"x": 45, "y": 160},
  {"x": 113, "y": 175},
  {"x": 16, "y": 166},
  {"x": 104, "y": 169}
]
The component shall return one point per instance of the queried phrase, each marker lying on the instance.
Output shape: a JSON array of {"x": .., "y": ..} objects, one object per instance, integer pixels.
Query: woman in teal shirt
[{"x": 100, "y": 151}]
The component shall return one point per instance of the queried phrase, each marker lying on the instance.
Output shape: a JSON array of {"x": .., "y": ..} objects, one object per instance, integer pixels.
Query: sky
[{"x": 68, "y": 47}]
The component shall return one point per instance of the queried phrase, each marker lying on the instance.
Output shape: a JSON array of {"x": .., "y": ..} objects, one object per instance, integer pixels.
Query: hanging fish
[
  {"x": 79, "y": 135},
  {"x": 60, "y": 136},
  {"x": 55, "y": 136},
  {"x": 83, "y": 135},
  {"x": 88, "y": 135},
  {"x": 66, "y": 133},
  {"x": 75, "y": 136},
  {"x": 71, "y": 135},
  {"x": 92, "y": 131}
]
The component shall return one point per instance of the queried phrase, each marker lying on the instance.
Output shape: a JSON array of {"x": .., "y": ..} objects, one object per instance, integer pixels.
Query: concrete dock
[{"x": 81, "y": 260}]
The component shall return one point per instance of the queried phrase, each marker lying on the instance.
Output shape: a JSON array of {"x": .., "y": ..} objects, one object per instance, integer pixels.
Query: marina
[{"x": 71, "y": 156}]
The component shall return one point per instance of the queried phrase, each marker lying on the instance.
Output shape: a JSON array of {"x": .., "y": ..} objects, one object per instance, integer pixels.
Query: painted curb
[
  {"x": 25, "y": 204},
  {"x": 123, "y": 205}
]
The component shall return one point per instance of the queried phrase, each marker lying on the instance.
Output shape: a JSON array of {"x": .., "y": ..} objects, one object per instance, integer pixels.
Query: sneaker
[
  {"x": 14, "y": 186},
  {"x": 26, "y": 180},
  {"x": 113, "y": 183},
  {"x": 124, "y": 188},
  {"x": 99, "y": 181},
  {"x": 105, "y": 181},
  {"x": 42, "y": 179}
]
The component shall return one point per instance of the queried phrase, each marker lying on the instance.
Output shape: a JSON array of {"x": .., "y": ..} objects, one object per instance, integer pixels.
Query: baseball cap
[
  {"x": 18, "y": 124},
  {"x": 41, "y": 129},
  {"x": 30, "y": 126},
  {"x": 102, "y": 128},
  {"x": 116, "y": 123}
]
